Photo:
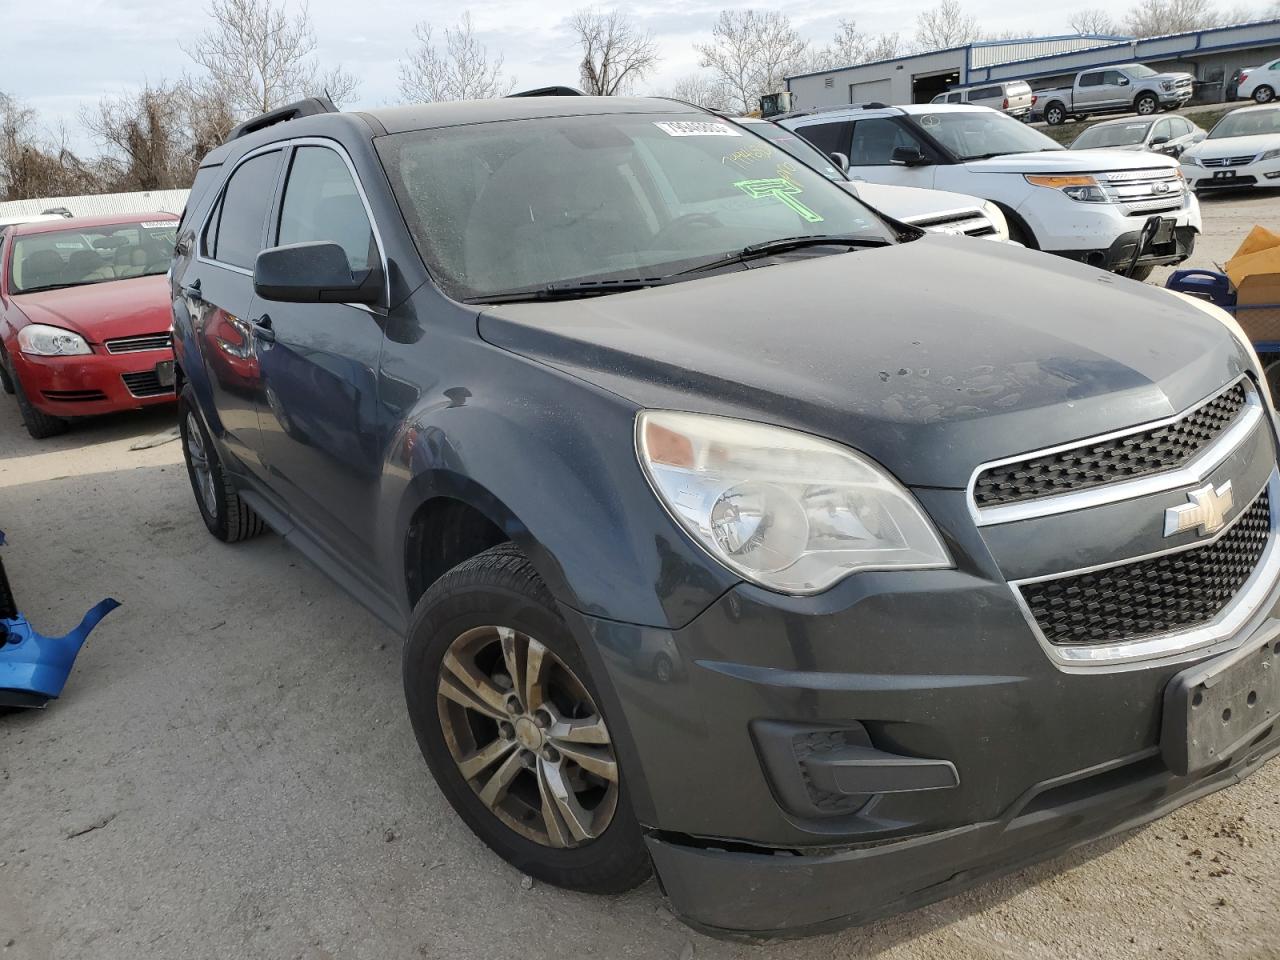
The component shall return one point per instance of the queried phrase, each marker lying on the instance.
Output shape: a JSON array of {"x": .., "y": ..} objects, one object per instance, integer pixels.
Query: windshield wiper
[
  {"x": 571, "y": 290},
  {"x": 769, "y": 247},
  {"x": 48, "y": 286}
]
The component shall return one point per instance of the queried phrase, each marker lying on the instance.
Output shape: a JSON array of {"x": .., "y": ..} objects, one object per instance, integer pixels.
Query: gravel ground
[{"x": 231, "y": 772}]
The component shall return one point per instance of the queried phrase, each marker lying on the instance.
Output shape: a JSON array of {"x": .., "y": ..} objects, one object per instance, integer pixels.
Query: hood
[
  {"x": 909, "y": 204},
  {"x": 1234, "y": 146},
  {"x": 103, "y": 311},
  {"x": 1072, "y": 161},
  {"x": 931, "y": 356}
]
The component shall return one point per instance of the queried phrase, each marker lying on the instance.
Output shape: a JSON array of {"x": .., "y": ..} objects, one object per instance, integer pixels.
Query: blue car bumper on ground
[{"x": 34, "y": 668}]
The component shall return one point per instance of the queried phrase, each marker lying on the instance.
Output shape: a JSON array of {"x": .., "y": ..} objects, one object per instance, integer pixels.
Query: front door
[
  {"x": 318, "y": 412},
  {"x": 875, "y": 153},
  {"x": 218, "y": 289}
]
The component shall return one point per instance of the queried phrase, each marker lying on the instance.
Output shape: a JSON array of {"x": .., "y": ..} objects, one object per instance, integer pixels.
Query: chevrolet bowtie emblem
[{"x": 1206, "y": 508}]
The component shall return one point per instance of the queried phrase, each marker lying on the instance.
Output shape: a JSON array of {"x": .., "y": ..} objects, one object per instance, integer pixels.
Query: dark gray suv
[{"x": 823, "y": 566}]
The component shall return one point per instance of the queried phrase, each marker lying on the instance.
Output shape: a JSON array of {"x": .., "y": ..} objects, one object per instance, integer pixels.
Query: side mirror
[
  {"x": 315, "y": 272},
  {"x": 908, "y": 157},
  {"x": 1157, "y": 141},
  {"x": 1124, "y": 81},
  {"x": 841, "y": 160}
]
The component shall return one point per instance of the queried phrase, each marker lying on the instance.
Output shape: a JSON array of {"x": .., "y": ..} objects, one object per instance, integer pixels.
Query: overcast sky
[{"x": 59, "y": 55}]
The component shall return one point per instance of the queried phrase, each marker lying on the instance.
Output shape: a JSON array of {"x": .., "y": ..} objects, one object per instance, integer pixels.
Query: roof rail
[
  {"x": 307, "y": 107},
  {"x": 549, "y": 92},
  {"x": 809, "y": 111}
]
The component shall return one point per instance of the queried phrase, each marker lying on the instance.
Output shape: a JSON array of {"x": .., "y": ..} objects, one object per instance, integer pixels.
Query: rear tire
[
  {"x": 39, "y": 424},
  {"x": 1055, "y": 115},
  {"x": 1263, "y": 94},
  {"x": 484, "y": 621},
  {"x": 228, "y": 517}
]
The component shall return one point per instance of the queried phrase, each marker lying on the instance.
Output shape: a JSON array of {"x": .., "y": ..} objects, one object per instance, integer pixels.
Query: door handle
[
  {"x": 262, "y": 329},
  {"x": 192, "y": 291}
]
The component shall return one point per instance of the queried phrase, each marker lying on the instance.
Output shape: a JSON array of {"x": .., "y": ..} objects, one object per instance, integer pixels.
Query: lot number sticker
[{"x": 695, "y": 128}]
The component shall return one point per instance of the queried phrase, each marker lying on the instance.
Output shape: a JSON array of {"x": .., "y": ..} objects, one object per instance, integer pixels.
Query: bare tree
[
  {"x": 145, "y": 138},
  {"x": 697, "y": 88},
  {"x": 615, "y": 53},
  {"x": 32, "y": 164},
  {"x": 750, "y": 53},
  {"x": 458, "y": 70},
  {"x": 257, "y": 57},
  {"x": 946, "y": 25},
  {"x": 1095, "y": 20},
  {"x": 1155, "y": 18},
  {"x": 851, "y": 46}
]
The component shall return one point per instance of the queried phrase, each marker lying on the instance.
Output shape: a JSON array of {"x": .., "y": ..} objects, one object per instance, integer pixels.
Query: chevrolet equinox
[{"x": 737, "y": 534}]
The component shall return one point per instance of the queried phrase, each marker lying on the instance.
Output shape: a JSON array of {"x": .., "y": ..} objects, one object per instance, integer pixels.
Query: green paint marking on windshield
[{"x": 779, "y": 189}]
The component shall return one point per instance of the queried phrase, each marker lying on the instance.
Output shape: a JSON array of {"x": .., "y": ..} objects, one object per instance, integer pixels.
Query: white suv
[{"x": 1086, "y": 205}]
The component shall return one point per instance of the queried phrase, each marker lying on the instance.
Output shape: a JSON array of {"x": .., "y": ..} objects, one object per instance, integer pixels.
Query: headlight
[
  {"x": 1166, "y": 85},
  {"x": 1076, "y": 186},
  {"x": 788, "y": 511},
  {"x": 41, "y": 341},
  {"x": 1270, "y": 155},
  {"x": 1192, "y": 161},
  {"x": 997, "y": 218}
]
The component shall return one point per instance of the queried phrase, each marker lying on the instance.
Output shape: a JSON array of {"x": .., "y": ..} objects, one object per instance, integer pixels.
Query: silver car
[{"x": 1167, "y": 135}]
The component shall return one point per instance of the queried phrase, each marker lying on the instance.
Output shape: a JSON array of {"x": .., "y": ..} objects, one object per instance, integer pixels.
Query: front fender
[{"x": 551, "y": 461}]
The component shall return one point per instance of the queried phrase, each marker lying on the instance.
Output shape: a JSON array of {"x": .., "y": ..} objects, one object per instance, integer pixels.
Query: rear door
[
  {"x": 218, "y": 290},
  {"x": 319, "y": 362},
  {"x": 1089, "y": 92}
]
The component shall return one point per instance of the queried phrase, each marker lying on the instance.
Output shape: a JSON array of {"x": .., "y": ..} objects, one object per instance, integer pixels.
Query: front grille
[
  {"x": 1210, "y": 183},
  {"x": 963, "y": 224},
  {"x": 1174, "y": 591},
  {"x": 1226, "y": 161},
  {"x": 1164, "y": 204},
  {"x": 1109, "y": 461},
  {"x": 145, "y": 384},
  {"x": 153, "y": 341},
  {"x": 73, "y": 396}
]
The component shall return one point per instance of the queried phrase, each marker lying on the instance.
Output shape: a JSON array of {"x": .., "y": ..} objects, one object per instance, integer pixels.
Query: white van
[{"x": 1012, "y": 96}]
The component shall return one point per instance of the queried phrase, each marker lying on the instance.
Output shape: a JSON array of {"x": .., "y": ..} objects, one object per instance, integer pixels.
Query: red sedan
[{"x": 84, "y": 317}]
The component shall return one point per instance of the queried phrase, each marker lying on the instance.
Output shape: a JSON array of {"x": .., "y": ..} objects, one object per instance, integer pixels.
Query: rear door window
[
  {"x": 321, "y": 202},
  {"x": 234, "y": 233}
]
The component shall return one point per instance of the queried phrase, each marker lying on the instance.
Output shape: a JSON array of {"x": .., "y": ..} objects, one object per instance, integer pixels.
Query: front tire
[
  {"x": 1142, "y": 271},
  {"x": 1263, "y": 94},
  {"x": 227, "y": 516},
  {"x": 39, "y": 424},
  {"x": 1146, "y": 105},
  {"x": 6, "y": 378},
  {"x": 506, "y": 715}
]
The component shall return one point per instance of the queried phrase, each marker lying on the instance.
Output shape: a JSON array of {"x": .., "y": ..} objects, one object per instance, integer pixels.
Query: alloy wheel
[
  {"x": 198, "y": 457},
  {"x": 1263, "y": 95},
  {"x": 527, "y": 737}
]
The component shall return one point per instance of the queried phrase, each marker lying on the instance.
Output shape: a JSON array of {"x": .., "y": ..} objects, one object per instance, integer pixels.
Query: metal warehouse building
[{"x": 1208, "y": 55}]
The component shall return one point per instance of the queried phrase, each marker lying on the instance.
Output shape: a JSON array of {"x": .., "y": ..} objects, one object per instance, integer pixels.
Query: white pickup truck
[
  {"x": 1088, "y": 205},
  {"x": 1128, "y": 88}
]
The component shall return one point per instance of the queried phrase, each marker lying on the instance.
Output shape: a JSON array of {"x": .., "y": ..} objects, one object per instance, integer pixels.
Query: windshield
[
  {"x": 511, "y": 206},
  {"x": 1247, "y": 123},
  {"x": 799, "y": 148},
  {"x": 1113, "y": 135},
  {"x": 1139, "y": 70},
  {"x": 72, "y": 258},
  {"x": 976, "y": 134}
]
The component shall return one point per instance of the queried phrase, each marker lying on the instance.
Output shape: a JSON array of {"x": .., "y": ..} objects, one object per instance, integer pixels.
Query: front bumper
[
  {"x": 1098, "y": 233},
  {"x": 92, "y": 384},
  {"x": 1118, "y": 256},
  {"x": 1264, "y": 173},
  {"x": 939, "y": 667}
]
